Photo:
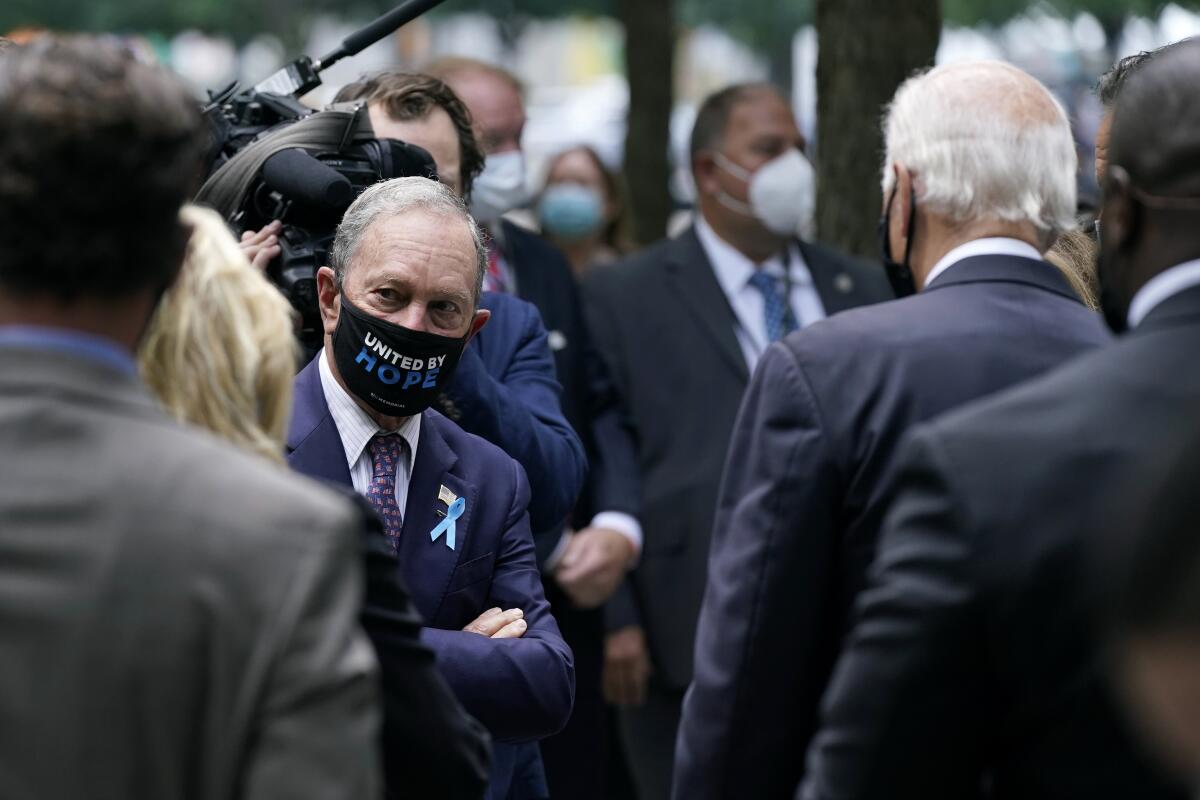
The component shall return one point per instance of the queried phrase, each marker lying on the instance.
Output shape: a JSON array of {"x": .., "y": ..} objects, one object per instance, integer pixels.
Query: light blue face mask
[{"x": 571, "y": 211}]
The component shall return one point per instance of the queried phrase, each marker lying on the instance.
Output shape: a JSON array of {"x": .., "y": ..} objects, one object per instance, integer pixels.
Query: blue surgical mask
[{"x": 571, "y": 211}]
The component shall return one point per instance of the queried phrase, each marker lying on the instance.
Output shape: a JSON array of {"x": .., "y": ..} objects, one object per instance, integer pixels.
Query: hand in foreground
[
  {"x": 593, "y": 564},
  {"x": 626, "y": 666},
  {"x": 497, "y": 624},
  {"x": 262, "y": 246}
]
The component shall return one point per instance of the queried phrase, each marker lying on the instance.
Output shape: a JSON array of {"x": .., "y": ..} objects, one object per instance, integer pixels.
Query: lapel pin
[
  {"x": 448, "y": 525},
  {"x": 843, "y": 283}
]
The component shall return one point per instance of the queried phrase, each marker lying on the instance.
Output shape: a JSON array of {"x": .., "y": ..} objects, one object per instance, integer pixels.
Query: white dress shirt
[
  {"x": 356, "y": 428},
  {"x": 734, "y": 270},
  {"x": 1161, "y": 287},
  {"x": 991, "y": 246}
]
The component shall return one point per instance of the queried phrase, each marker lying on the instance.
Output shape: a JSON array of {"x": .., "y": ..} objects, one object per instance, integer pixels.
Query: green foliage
[{"x": 763, "y": 24}]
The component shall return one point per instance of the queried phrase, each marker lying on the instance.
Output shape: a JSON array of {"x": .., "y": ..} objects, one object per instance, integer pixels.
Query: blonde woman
[{"x": 221, "y": 352}]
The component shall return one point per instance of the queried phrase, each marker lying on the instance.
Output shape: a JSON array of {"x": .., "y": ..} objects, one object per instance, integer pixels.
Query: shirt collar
[
  {"x": 355, "y": 426},
  {"x": 733, "y": 269},
  {"x": 1162, "y": 287},
  {"x": 990, "y": 246},
  {"x": 63, "y": 340}
]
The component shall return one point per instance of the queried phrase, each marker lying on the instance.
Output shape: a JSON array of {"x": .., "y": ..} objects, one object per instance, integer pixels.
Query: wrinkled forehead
[{"x": 417, "y": 242}]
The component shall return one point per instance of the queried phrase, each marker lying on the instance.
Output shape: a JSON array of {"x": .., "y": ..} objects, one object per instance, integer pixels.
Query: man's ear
[
  {"x": 704, "y": 173},
  {"x": 481, "y": 318},
  {"x": 901, "y": 210},
  {"x": 1119, "y": 211},
  {"x": 329, "y": 299}
]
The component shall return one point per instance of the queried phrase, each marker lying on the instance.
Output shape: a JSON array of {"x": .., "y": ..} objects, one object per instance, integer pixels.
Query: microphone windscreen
[{"x": 298, "y": 175}]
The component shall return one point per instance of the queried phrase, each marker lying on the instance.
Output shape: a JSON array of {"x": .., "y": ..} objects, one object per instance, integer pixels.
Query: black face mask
[
  {"x": 397, "y": 371},
  {"x": 899, "y": 274}
]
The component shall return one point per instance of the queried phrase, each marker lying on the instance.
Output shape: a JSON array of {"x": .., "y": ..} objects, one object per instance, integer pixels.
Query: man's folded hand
[{"x": 497, "y": 624}]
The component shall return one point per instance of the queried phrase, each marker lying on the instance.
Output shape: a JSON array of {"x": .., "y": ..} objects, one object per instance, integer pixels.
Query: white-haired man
[
  {"x": 399, "y": 303},
  {"x": 979, "y": 179}
]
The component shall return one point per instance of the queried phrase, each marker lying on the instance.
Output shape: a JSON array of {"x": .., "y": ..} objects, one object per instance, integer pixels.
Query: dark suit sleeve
[
  {"x": 622, "y": 610},
  {"x": 318, "y": 722},
  {"x": 768, "y": 624},
  {"x": 898, "y": 720},
  {"x": 431, "y": 746},
  {"x": 521, "y": 413},
  {"x": 521, "y": 689}
]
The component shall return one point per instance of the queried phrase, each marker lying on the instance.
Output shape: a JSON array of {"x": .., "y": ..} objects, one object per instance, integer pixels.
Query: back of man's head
[
  {"x": 984, "y": 141},
  {"x": 1156, "y": 124},
  {"x": 97, "y": 154}
]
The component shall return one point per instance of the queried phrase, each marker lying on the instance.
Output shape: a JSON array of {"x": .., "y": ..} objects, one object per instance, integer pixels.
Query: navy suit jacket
[
  {"x": 976, "y": 667},
  {"x": 520, "y": 689},
  {"x": 805, "y": 487},
  {"x": 505, "y": 391}
]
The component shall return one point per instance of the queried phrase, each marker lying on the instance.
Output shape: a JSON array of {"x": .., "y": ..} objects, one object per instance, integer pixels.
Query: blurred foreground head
[
  {"x": 97, "y": 154},
  {"x": 974, "y": 150},
  {"x": 220, "y": 352},
  {"x": 1151, "y": 208}
]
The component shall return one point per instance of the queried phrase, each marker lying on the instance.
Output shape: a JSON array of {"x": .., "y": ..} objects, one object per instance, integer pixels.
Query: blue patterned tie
[
  {"x": 777, "y": 313},
  {"x": 386, "y": 452}
]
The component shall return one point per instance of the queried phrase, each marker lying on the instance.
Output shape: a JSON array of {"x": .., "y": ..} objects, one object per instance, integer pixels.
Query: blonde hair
[
  {"x": 221, "y": 352},
  {"x": 1074, "y": 253}
]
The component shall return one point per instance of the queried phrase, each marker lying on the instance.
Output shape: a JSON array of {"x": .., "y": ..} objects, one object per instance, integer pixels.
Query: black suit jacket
[
  {"x": 667, "y": 333},
  {"x": 431, "y": 747},
  {"x": 973, "y": 669},
  {"x": 544, "y": 278},
  {"x": 805, "y": 489}
]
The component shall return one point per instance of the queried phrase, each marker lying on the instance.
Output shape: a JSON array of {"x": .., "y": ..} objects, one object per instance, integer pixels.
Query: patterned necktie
[
  {"x": 494, "y": 280},
  {"x": 777, "y": 312},
  {"x": 386, "y": 452}
]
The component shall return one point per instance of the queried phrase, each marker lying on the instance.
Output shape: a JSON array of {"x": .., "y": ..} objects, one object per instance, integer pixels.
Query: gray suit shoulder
[{"x": 224, "y": 500}]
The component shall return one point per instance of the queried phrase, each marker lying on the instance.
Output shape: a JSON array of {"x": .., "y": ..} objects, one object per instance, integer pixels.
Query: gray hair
[
  {"x": 984, "y": 140},
  {"x": 396, "y": 196}
]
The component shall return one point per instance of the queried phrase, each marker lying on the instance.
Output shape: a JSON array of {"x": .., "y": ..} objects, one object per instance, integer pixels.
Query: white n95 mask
[
  {"x": 499, "y": 188},
  {"x": 782, "y": 192}
]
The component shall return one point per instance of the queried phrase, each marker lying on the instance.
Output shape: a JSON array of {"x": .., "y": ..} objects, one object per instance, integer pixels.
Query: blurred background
[{"x": 625, "y": 76}]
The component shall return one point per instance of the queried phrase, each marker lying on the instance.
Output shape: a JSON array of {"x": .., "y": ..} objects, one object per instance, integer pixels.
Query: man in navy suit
[
  {"x": 980, "y": 179},
  {"x": 399, "y": 304}
]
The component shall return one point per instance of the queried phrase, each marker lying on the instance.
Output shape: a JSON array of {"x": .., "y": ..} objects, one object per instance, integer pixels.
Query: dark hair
[
  {"x": 1152, "y": 576},
  {"x": 407, "y": 96},
  {"x": 1110, "y": 84},
  {"x": 712, "y": 118},
  {"x": 616, "y": 233},
  {"x": 98, "y": 152}
]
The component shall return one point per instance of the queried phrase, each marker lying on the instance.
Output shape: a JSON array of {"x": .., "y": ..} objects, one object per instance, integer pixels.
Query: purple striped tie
[{"x": 386, "y": 452}]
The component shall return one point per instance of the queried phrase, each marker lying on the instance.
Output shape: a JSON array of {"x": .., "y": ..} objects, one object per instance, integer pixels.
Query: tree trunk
[
  {"x": 866, "y": 49},
  {"x": 649, "y": 65}
]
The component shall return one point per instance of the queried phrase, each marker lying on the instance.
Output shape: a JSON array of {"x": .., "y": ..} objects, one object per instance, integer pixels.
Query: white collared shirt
[
  {"x": 734, "y": 270},
  {"x": 1162, "y": 287},
  {"x": 990, "y": 246},
  {"x": 356, "y": 428}
]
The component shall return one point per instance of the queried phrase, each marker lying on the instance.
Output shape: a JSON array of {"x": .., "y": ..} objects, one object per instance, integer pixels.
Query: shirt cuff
[
  {"x": 556, "y": 554},
  {"x": 624, "y": 524}
]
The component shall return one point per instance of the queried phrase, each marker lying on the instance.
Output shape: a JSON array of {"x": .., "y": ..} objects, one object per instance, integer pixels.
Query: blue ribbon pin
[{"x": 447, "y": 525}]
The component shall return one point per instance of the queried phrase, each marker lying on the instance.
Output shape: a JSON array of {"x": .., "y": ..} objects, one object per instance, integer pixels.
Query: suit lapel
[
  {"x": 431, "y": 562},
  {"x": 314, "y": 445},
  {"x": 834, "y": 285},
  {"x": 692, "y": 275}
]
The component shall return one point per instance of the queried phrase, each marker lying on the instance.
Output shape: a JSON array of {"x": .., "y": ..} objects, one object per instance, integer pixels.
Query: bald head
[
  {"x": 1156, "y": 124},
  {"x": 984, "y": 140}
]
